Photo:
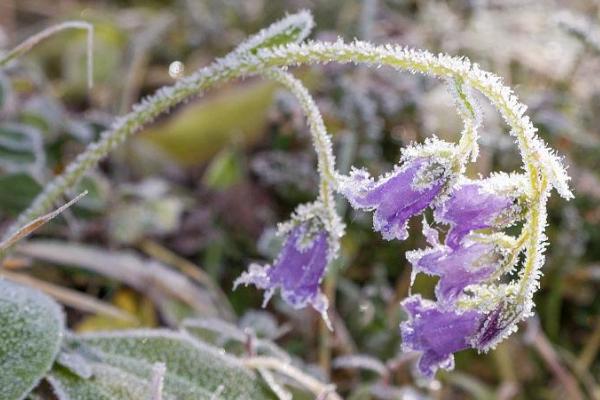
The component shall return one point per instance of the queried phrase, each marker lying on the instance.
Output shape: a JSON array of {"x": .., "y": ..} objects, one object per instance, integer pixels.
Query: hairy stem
[
  {"x": 467, "y": 146},
  {"x": 539, "y": 164},
  {"x": 320, "y": 138}
]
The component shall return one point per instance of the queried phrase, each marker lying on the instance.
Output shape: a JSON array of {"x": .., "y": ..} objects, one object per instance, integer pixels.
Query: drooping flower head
[
  {"x": 489, "y": 203},
  {"x": 469, "y": 311},
  {"x": 298, "y": 270},
  {"x": 407, "y": 191},
  {"x": 436, "y": 333}
]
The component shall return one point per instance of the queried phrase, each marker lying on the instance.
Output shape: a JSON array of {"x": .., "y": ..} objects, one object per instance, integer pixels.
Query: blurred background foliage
[{"x": 179, "y": 211}]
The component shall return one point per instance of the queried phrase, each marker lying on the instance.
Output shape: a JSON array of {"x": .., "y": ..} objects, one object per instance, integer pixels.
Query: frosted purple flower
[
  {"x": 436, "y": 333},
  {"x": 473, "y": 206},
  {"x": 297, "y": 271},
  {"x": 457, "y": 268},
  {"x": 397, "y": 197}
]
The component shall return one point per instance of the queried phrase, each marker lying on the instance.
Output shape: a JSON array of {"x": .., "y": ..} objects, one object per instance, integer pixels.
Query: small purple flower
[
  {"x": 457, "y": 268},
  {"x": 436, "y": 333},
  {"x": 475, "y": 205},
  {"x": 397, "y": 197},
  {"x": 297, "y": 271}
]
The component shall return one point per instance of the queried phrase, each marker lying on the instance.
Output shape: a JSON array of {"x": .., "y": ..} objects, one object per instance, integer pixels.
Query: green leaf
[
  {"x": 200, "y": 130},
  {"x": 224, "y": 170},
  {"x": 20, "y": 145},
  {"x": 18, "y": 190},
  {"x": 31, "y": 331},
  {"x": 121, "y": 365},
  {"x": 292, "y": 29}
]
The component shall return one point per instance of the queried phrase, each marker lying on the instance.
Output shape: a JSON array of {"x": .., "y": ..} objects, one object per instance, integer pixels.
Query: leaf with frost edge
[{"x": 31, "y": 332}]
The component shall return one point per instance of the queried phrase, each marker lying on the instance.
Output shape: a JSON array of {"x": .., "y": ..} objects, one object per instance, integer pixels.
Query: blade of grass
[{"x": 32, "y": 226}]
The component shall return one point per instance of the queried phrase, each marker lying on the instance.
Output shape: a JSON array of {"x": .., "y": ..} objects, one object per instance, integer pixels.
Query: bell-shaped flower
[
  {"x": 398, "y": 196},
  {"x": 436, "y": 333},
  {"x": 472, "y": 205},
  {"x": 457, "y": 268},
  {"x": 297, "y": 271}
]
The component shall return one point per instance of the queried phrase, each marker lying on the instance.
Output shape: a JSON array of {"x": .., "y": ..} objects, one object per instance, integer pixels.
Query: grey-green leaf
[
  {"x": 31, "y": 331},
  {"x": 18, "y": 190},
  {"x": 121, "y": 365}
]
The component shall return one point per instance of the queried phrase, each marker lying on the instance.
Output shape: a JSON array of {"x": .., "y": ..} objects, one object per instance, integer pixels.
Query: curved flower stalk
[
  {"x": 477, "y": 315},
  {"x": 313, "y": 233}
]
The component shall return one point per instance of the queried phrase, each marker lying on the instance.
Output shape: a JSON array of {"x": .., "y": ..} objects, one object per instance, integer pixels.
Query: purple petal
[
  {"x": 457, "y": 267},
  {"x": 297, "y": 272},
  {"x": 397, "y": 197},
  {"x": 436, "y": 333},
  {"x": 472, "y": 207}
]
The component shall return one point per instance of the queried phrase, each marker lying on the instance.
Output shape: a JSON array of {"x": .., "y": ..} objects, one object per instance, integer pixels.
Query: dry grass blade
[
  {"x": 146, "y": 276},
  {"x": 35, "y": 224},
  {"x": 70, "y": 297},
  {"x": 164, "y": 255}
]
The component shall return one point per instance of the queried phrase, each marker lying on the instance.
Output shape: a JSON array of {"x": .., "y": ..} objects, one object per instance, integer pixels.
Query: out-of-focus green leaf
[
  {"x": 5, "y": 90},
  {"x": 31, "y": 331},
  {"x": 131, "y": 221},
  {"x": 98, "y": 190},
  {"x": 121, "y": 365},
  {"x": 20, "y": 145},
  {"x": 224, "y": 170},
  {"x": 199, "y": 131},
  {"x": 18, "y": 190}
]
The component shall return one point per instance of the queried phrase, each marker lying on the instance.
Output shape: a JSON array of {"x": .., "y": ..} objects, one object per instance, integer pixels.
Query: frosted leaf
[
  {"x": 292, "y": 29},
  {"x": 31, "y": 331},
  {"x": 122, "y": 365}
]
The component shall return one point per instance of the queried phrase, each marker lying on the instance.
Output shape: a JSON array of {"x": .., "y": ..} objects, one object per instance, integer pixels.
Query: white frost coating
[
  {"x": 470, "y": 113},
  {"x": 296, "y": 27}
]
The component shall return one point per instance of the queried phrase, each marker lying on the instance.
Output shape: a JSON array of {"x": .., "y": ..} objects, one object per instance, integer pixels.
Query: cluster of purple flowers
[{"x": 468, "y": 211}]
